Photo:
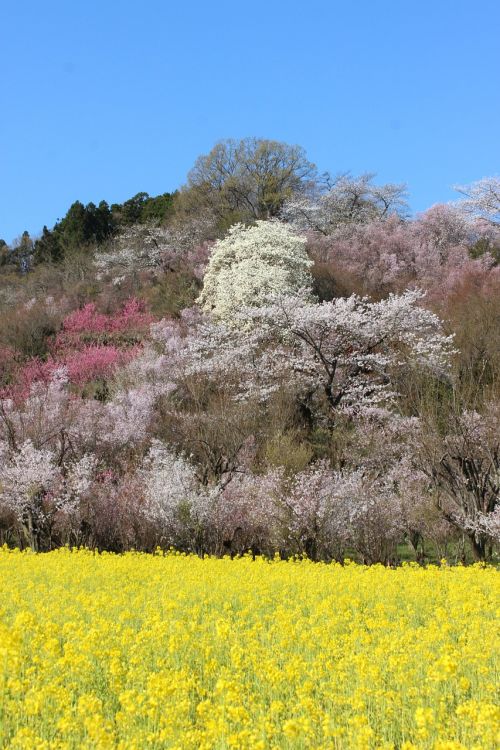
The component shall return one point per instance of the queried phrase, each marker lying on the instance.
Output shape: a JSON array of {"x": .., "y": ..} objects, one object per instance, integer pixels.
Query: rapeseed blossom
[{"x": 142, "y": 651}]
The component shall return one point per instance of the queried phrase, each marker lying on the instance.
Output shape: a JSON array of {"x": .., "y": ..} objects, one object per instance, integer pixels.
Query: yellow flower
[{"x": 133, "y": 651}]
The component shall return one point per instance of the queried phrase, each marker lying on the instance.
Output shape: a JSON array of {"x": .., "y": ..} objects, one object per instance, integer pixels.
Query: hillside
[{"x": 266, "y": 359}]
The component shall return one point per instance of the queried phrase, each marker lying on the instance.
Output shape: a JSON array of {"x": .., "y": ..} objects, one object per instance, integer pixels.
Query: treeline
[{"x": 83, "y": 227}]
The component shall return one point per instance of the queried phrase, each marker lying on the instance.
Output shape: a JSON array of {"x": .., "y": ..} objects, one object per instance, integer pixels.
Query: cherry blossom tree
[
  {"x": 245, "y": 514},
  {"x": 52, "y": 416},
  {"x": 481, "y": 200},
  {"x": 135, "y": 248},
  {"x": 315, "y": 516},
  {"x": 464, "y": 467},
  {"x": 25, "y": 479},
  {"x": 344, "y": 351},
  {"x": 148, "y": 247},
  {"x": 440, "y": 229},
  {"x": 433, "y": 251},
  {"x": 44, "y": 417},
  {"x": 344, "y": 202},
  {"x": 36, "y": 488},
  {"x": 175, "y": 502},
  {"x": 384, "y": 446}
]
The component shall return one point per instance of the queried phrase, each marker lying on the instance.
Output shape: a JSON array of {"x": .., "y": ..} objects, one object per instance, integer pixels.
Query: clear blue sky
[{"x": 101, "y": 100}]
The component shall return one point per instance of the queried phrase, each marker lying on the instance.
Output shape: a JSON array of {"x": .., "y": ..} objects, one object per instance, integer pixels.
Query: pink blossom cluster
[
  {"x": 431, "y": 251},
  {"x": 95, "y": 362},
  {"x": 87, "y": 321},
  {"x": 87, "y": 349}
]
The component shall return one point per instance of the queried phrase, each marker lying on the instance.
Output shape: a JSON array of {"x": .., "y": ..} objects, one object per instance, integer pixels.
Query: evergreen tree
[{"x": 48, "y": 248}]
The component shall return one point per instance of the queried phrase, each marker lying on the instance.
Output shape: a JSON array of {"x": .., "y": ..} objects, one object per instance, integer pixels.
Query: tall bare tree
[{"x": 248, "y": 179}]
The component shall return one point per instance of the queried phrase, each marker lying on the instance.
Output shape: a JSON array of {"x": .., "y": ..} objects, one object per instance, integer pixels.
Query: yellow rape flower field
[{"x": 150, "y": 651}]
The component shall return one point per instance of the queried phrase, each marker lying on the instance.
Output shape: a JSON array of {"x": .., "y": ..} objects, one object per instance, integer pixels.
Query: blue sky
[{"x": 101, "y": 100}]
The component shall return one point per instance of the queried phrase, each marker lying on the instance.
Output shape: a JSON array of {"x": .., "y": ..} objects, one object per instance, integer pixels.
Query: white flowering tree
[
  {"x": 175, "y": 503},
  {"x": 138, "y": 247},
  {"x": 250, "y": 264},
  {"x": 481, "y": 200},
  {"x": 464, "y": 467},
  {"x": 350, "y": 347},
  {"x": 147, "y": 247},
  {"x": 345, "y": 202},
  {"x": 35, "y": 488},
  {"x": 344, "y": 352}
]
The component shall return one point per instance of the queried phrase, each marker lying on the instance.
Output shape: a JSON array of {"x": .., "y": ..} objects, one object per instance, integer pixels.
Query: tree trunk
[{"x": 478, "y": 548}]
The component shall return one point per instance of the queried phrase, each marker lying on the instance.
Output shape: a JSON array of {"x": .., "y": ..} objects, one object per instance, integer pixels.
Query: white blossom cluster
[
  {"x": 35, "y": 487},
  {"x": 481, "y": 200},
  {"x": 145, "y": 247},
  {"x": 30, "y": 473},
  {"x": 347, "y": 202},
  {"x": 138, "y": 247},
  {"x": 174, "y": 499},
  {"x": 346, "y": 349},
  {"x": 250, "y": 264}
]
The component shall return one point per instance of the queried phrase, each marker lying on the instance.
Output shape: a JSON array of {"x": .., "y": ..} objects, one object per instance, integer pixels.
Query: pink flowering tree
[
  {"x": 433, "y": 252},
  {"x": 384, "y": 446},
  {"x": 53, "y": 416},
  {"x": 45, "y": 416},
  {"x": 90, "y": 348},
  {"x": 89, "y": 326},
  {"x": 327, "y": 513},
  {"x": 315, "y": 515},
  {"x": 245, "y": 514},
  {"x": 95, "y": 363}
]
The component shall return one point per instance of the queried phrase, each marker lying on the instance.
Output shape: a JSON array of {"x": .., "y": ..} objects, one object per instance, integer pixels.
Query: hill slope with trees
[{"x": 269, "y": 359}]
